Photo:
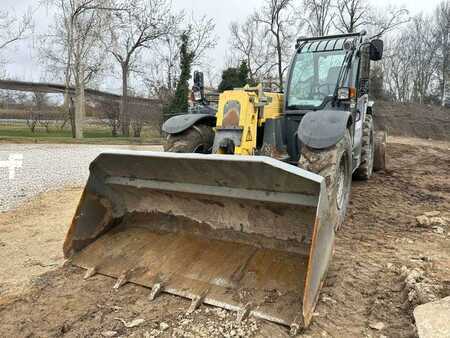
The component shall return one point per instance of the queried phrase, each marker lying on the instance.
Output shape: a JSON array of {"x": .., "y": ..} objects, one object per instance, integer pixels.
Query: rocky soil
[{"x": 388, "y": 259}]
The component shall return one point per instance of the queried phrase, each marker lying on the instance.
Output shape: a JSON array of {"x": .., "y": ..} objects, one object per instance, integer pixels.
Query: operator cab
[
  {"x": 319, "y": 69},
  {"x": 327, "y": 74}
]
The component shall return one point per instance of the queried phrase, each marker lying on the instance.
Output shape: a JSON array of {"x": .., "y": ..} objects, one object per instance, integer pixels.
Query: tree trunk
[
  {"x": 445, "y": 73},
  {"x": 72, "y": 116},
  {"x": 114, "y": 130},
  {"x": 446, "y": 55},
  {"x": 124, "y": 118},
  {"x": 69, "y": 111},
  {"x": 80, "y": 104},
  {"x": 446, "y": 91},
  {"x": 280, "y": 65},
  {"x": 79, "y": 109}
]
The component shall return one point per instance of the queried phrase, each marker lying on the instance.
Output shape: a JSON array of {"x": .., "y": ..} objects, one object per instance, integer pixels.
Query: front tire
[
  {"x": 196, "y": 139},
  {"x": 335, "y": 165}
]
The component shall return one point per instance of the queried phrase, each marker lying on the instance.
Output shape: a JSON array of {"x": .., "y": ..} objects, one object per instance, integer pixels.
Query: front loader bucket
[{"x": 246, "y": 233}]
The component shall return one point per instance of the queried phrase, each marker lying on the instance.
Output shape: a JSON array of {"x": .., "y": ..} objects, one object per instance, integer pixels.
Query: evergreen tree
[
  {"x": 235, "y": 77},
  {"x": 244, "y": 73},
  {"x": 180, "y": 103}
]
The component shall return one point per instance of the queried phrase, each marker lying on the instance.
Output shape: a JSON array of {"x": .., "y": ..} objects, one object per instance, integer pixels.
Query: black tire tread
[
  {"x": 325, "y": 163},
  {"x": 190, "y": 139}
]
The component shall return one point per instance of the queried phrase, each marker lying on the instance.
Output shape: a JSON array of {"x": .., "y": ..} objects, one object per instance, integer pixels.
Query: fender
[
  {"x": 324, "y": 128},
  {"x": 180, "y": 123}
]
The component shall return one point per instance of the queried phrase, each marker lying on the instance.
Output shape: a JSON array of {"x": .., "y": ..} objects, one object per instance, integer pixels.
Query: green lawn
[{"x": 97, "y": 135}]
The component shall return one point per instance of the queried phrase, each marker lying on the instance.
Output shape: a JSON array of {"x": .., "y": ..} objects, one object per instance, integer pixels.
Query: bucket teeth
[
  {"x": 67, "y": 262},
  {"x": 294, "y": 330},
  {"x": 244, "y": 312},
  {"x": 122, "y": 280},
  {"x": 296, "y": 326},
  {"x": 197, "y": 301},
  {"x": 157, "y": 288},
  {"x": 90, "y": 272}
]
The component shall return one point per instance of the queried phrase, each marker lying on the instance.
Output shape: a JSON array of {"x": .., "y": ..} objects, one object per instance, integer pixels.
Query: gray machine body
[
  {"x": 180, "y": 123},
  {"x": 324, "y": 128}
]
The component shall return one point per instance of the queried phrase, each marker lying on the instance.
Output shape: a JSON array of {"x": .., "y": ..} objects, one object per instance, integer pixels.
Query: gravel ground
[{"x": 47, "y": 167}]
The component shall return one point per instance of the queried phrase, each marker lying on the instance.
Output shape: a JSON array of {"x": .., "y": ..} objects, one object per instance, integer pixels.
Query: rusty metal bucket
[{"x": 246, "y": 233}]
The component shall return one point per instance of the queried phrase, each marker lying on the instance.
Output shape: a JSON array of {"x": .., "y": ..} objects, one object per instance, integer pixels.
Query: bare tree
[
  {"x": 163, "y": 70},
  {"x": 38, "y": 115},
  {"x": 73, "y": 49},
  {"x": 320, "y": 16},
  {"x": 386, "y": 19},
  {"x": 32, "y": 120},
  {"x": 351, "y": 15},
  {"x": 254, "y": 46},
  {"x": 138, "y": 117},
  {"x": 13, "y": 29},
  {"x": 40, "y": 100},
  {"x": 278, "y": 19},
  {"x": 354, "y": 15},
  {"x": 129, "y": 31},
  {"x": 211, "y": 76},
  {"x": 412, "y": 75},
  {"x": 424, "y": 50},
  {"x": 161, "y": 66},
  {"x": 109, "y": 113},
  {"x": 443, "y": 30},
  {"x": 201, "y": 37},
  {"x": 397, "y": 69}
]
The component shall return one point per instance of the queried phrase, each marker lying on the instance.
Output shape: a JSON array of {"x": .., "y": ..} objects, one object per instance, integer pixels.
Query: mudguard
[
  {"x": 323, "y": 129},
  {"x": 180, "y": 123}
]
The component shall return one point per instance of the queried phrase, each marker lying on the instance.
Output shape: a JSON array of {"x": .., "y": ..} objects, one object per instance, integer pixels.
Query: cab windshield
[{"x": 314, "y": 78}]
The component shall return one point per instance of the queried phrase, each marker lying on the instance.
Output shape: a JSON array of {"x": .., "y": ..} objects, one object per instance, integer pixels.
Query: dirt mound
[{"x": 413, "y": 120}]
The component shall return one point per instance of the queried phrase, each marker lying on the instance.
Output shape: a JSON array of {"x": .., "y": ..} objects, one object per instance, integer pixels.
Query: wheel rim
[{"x": 341, "y": 182}]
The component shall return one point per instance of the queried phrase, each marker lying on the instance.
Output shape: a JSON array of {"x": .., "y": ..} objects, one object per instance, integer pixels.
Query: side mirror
[
  {"x": 198, "y": 79},
  {"x": 376, "y": 49},
  {"x": 198, "y": 88}
]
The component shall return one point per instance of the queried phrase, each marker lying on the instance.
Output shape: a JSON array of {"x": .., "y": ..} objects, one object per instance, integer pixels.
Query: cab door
[{"x": 358, "y": 108}]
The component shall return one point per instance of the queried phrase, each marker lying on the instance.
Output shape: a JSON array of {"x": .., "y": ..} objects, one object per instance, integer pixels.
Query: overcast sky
[{"x": 23, "y": 58}]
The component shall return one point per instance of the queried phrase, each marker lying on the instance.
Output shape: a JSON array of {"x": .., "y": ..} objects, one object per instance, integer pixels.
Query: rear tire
[
  {"x": 365, "y": 169},
  {"x": 335, "y": 165},
  {"x": 379, "y": 160},
  {"x": 196, "y": 139}
]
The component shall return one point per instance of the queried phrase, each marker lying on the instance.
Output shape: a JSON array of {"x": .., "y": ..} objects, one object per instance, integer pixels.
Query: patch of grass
[
  {"x": 97, "y": 135},
  {"x": 26, "y": 132}
]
